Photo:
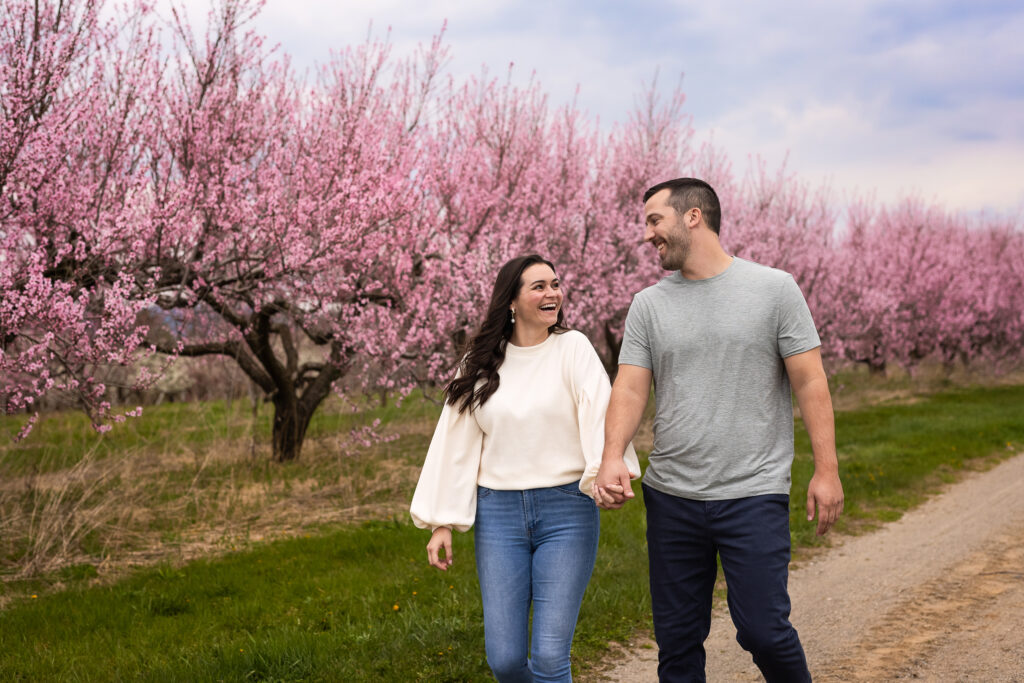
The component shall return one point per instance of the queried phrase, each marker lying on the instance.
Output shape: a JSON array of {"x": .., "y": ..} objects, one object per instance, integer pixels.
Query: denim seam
[{"x": 524, "y": 498}]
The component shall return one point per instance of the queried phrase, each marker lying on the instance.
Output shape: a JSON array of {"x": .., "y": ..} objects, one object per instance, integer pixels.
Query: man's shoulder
[
  {"x": 754, "y": 269},
  {"x": 765, "y": 278},
  {"x": 661, "y": 286}
]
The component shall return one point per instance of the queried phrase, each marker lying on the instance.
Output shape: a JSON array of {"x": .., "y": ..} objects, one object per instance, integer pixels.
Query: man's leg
[
  {"x": 753, "y": 541},
  {"x": 682, "y": 574}
]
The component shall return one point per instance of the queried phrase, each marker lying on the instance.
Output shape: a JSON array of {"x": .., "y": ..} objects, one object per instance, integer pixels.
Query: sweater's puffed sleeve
[
  {"x": 592, "y": 393},
  {"x": 446, "y": 492}
]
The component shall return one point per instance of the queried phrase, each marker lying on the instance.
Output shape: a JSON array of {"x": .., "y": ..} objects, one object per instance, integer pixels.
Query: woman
[{"x": 516, "y": 451}]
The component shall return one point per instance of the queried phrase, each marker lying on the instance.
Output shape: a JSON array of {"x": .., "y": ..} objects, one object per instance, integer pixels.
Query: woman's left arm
[{"x": 592, "y": 389}]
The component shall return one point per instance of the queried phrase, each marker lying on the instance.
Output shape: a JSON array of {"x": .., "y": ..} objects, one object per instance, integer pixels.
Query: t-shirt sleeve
[
  {"x": 796, "y": 331},
  {"x": 446, "y": 492},
  {"x": 636, "y": 341}
]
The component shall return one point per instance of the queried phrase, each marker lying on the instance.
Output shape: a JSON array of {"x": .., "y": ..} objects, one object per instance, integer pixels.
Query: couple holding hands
[{"x": 533, "y": 440}]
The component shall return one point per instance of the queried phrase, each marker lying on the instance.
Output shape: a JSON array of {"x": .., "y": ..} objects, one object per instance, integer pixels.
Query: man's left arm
[{"x": 807, "y": 375}]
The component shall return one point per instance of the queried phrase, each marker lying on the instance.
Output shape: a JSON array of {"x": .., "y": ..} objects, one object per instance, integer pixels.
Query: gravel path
[{"x": 935, "y": 596}]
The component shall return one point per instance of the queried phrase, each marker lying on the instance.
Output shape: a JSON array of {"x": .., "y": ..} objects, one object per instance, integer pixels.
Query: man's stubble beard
[{"x": 676, "y": 252}]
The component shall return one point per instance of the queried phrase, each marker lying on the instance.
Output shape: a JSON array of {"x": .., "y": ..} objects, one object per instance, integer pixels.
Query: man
[{"x": 723, "y": 339}]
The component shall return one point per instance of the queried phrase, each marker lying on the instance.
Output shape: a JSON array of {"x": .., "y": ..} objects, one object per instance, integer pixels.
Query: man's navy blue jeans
[{"x": 751, "y": 535}]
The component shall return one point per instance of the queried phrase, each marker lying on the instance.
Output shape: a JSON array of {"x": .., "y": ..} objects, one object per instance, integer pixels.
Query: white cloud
[{"x": 961, "y": 177}]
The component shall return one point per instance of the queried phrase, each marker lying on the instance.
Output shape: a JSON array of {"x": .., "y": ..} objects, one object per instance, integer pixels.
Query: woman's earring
[{"x": 512, "y": 311}]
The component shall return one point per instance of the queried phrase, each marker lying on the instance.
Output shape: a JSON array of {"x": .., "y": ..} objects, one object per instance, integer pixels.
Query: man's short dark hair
[{"x": 687, "y": 193}]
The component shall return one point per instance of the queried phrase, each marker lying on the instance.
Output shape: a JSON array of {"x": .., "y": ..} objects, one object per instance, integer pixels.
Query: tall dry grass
[{"x": 165, "y": 500}]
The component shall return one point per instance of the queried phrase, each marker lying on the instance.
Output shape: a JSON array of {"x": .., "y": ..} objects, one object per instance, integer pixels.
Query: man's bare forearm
[
  {"x": 625, "y": 409},
  {"x": 825, "y": 490},
  {"x": 815, "y": 403}
]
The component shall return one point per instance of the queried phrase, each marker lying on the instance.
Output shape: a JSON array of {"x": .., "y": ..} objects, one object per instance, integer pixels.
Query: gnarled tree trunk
[{"x": 290, "y": 424}]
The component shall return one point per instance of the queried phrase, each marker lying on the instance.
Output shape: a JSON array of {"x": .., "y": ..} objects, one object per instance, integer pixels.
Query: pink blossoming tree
[{"x": 191, "y": 195}]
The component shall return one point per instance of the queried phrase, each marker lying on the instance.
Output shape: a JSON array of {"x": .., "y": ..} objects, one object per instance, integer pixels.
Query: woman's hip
[{"x": 536, "y": 515}]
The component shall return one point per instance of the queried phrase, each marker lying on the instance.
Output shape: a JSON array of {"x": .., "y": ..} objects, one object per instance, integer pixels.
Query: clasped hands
[{"x": 611, "y": 486}]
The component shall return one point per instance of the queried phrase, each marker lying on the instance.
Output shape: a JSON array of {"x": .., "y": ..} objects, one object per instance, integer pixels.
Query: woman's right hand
[{"x": 440, "y": 540}]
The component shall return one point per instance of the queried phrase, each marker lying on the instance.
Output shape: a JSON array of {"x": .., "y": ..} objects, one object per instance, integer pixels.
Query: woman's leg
[
  {"x": 565, "y": 528},
  {"x": 503, "y": 563}
]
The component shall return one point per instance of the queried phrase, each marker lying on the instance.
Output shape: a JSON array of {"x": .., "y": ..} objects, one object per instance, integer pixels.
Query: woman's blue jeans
[{"x": 537, "y": 546}]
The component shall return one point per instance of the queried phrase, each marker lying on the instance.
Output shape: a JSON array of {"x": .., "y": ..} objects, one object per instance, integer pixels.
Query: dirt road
[{"x": 935, "y": 596}]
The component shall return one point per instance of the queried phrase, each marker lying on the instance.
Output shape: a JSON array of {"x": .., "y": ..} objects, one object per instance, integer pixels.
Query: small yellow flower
[
  {"x": 414, "y": 592},
  {"x": 395, "y": 607},
  {"x": 450, "y": 587},
  {"x": 34, "y": 596}
]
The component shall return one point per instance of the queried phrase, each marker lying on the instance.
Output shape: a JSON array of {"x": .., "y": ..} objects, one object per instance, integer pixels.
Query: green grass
[
  {"x": 322, "y": 608},
  {"x": 893, "y": 456},
  {"x": 61, "y": 439},
  {"x": 357, "y": 604}
]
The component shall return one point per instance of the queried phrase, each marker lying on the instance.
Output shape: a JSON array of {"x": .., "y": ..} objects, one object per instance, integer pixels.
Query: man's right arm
[{"x": 630, "y": 392}]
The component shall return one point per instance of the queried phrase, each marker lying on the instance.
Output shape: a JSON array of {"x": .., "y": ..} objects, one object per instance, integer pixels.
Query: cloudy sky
[{"x": 886, "y": 98}]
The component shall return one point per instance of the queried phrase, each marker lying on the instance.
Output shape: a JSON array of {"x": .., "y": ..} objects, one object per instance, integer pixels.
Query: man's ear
[{"x": 694, "y": 217}]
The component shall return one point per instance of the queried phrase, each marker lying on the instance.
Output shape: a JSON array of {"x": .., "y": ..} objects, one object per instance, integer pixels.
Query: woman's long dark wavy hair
[{"x": 486, "y": 350}]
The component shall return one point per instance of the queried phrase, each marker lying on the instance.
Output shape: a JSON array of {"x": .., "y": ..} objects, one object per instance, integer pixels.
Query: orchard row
[{"x": 171, "y": 192}]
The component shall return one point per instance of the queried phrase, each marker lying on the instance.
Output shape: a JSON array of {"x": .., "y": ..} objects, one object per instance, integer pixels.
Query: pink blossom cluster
[
  {"x": 913, "y": 282},
  {"x": 68, "y": 168}
]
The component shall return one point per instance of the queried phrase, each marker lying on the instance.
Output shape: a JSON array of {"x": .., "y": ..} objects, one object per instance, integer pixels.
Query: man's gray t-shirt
[{"x": 724, "y": 421}]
